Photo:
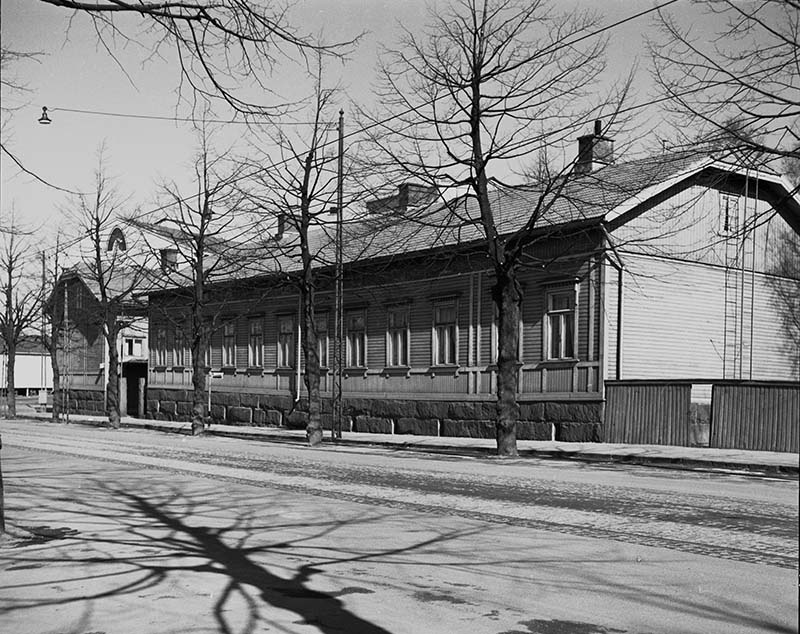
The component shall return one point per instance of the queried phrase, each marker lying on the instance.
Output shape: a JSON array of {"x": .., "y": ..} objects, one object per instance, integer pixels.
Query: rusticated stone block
[
  {"x": 431, "y": 410},
  {"x": 217, "y": 413},
  {"x": 183, "y": 408},
  {"x": 477, "y": 410},
  {"x": 152, "y": 406},
  {"x": 417, "y": 427},
  {"x": 576, "y": 412},
  {"x": 578, "y": 432},
  {"x": 274, "y": 418},
  {"x": 357, "y": 406},
  {"x": 275, "y": 401},
  {"x": 248, "y": 400},
  {"x": 372, "y": 425},
  {"x": 327, "y": 422},
  {"x": 259, "y": 418},
  {"x": 468, "y": 428},
  {"x": 167, "y": 407},
  {"x": 296, "y": 420},
  {"x": 533, "y": 430},
  {"x": 387, "y": 408},
  {"x": 239, "y": 415},
  {"x": 228, "y": 399},
  {"x": 532, "y": 411}
]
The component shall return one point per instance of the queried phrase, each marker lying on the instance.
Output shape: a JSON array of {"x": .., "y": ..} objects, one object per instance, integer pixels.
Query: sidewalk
[{"x": 689, "y": 458}]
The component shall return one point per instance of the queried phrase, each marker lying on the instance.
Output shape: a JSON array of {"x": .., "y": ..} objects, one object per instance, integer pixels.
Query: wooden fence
[
  {"x": 755, "y": 415},
  {"x": 759, "y": 416},
  {"x": 647, "y": 413}
]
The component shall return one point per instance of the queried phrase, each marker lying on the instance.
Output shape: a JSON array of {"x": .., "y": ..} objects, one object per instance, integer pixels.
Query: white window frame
[
  {"x": 323, "y": 345},
  {"x": 161, "y": 346},
  {"x": 229, "y": 344},
  {"x": 730, "y": 213},
  {"x": 178, "y": 348},
  {"x": 255, "y": 343},
  {"x": 285, "y": 341},
  {"x": 398, "y": 337},
  {"x": 567, "y": 346},
  {"x": 355, "y": 339},
  {"x": 444, "y": 334}
]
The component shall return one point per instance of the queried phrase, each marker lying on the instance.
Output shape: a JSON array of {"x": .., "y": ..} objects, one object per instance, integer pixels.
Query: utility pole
[{"x": 338, "y": 326}]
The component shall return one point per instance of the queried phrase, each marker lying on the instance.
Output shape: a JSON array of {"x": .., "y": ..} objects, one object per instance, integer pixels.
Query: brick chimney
[{"x": 594, "y": 150}]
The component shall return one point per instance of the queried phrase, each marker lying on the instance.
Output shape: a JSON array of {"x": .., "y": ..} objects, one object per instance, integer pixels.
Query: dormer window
[{"x": 116, "y": 241}]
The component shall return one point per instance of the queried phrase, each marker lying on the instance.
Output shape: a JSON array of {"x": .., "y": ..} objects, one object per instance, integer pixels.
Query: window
[
  {"x": 356, "y": 338},
  {"x": 445, "y": 334},
  {"x": 255, "y": 350},
  {"x": 321, "y": 322},
  {"x": 561, "y": 324},
  {"x": 729, "y": 208},
  {"x": 180, "y": 348},
  {"x": 397, "y": 336},
  {"x": 285, "y": 342},
  {"x": 161, "y": 346},
  {"x": 229, "y": 344},
  {"x": 133, "y": 347},
  {"x": 207, "y": 350}
]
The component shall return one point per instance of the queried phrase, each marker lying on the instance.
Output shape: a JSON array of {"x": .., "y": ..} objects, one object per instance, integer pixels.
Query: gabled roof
[{"x": 602, "y": 195}]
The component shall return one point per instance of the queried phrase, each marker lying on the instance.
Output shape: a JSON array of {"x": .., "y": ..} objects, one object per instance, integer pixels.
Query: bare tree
[
  {"x": 202, "y": 230},
  {"x": 113, "y": 276},
  {"x": 21, "y": 299},
  {"x": 297, "y": 197},
  {"x": 745, "y": 74},
  {"x": 216, "y": 44},
  {"x": 490, "y": 84}
]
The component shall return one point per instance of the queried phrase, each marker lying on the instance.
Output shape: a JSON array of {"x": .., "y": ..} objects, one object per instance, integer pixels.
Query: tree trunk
[
  {"x": 11, "y": 391},
  {"x": 507, "y": 298},
  {"x": 112, "y": 387},
  {"x": 198, "y": 386},
  {"x": 311, "y": 354}
]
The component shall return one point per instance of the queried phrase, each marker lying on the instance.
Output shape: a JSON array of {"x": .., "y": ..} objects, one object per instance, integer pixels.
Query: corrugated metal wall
[
  {"x": 762, "y": 417},
  {"x": 647, "y": 413}
]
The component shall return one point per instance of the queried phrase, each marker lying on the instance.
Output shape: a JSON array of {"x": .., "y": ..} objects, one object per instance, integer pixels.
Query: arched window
[{"x": 116, "y": 240}]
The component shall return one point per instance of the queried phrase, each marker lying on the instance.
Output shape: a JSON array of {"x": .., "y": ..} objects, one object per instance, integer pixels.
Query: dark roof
[{"x": 576, "y": 198}]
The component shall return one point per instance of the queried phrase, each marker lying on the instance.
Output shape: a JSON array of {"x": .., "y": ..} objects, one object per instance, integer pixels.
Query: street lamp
[{"x": 44, "y": 119}]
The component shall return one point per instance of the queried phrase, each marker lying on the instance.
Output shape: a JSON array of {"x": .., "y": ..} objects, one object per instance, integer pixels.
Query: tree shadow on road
[{"x": 137, "y": 539}]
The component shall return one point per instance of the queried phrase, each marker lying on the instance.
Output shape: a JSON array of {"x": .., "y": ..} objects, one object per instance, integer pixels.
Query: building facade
[{"x": 659, "y": 269}]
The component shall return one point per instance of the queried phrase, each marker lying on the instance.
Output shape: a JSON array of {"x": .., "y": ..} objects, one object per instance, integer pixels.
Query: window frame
[
  {"x": 561, "y": 314},
  {"x": 285, "y": 342},
  {"x": 229, "y": 344},
  {"x": 730, "y": 213},
  {"x": 255, "y": 343},
  {"x": 179, "y": 348},
  {"x": 404, "y": 332},
  {"x": 323, "y": 339},
  {"x": 438, "y": 327},
  {"x": 161, "y": 347},
  {"x": 360, "y": 361}
]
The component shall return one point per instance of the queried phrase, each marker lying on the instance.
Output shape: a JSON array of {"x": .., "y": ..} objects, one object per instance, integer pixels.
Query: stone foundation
[{"x": 578, "y": 421}]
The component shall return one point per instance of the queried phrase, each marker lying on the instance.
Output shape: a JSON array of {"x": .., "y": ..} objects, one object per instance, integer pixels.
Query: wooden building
[{"x": 662, "y": 268}]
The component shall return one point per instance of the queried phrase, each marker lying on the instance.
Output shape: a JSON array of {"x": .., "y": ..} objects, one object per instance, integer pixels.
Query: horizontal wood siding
[
  {"x": 648, "y": 414},
  {"x": 674, "y": 323},
  {"x": 756, "y": 417}
]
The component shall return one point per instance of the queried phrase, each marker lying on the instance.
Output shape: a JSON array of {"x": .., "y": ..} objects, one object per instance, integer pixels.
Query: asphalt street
[{"x": 222, "y": 535}]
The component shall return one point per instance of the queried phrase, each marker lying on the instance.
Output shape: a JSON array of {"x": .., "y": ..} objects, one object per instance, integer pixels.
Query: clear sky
[{"x": 74, "y": 72}]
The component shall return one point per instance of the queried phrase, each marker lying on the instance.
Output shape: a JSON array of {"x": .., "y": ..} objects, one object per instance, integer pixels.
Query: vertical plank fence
[
  {"x": 648, "y": 412},
  {"x": 759, "y": 416}
]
